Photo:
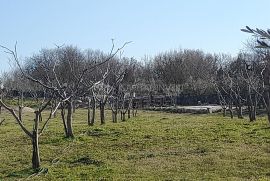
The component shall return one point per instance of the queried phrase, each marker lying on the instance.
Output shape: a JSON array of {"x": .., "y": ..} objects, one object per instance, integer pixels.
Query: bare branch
[
  {"x": 49, "y": 118},
  {"x": 1, "y": 122}
]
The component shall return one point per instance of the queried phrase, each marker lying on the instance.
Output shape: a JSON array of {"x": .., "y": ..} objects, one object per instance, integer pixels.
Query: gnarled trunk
[
  {"x": 35, "y": 145},
  {"x": 35, "y": 151}
]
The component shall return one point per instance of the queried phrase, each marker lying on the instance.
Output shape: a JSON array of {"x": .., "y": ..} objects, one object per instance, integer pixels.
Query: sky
[{"x": 153, "y": 26}]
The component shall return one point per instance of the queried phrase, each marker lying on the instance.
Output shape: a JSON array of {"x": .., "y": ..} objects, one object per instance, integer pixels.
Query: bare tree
[
  {"x": 103, "y": 90},
  {"x": 53, "y": 77},
  {"x": 37, "y": 128},
  {"x": 263, "y": 38}
]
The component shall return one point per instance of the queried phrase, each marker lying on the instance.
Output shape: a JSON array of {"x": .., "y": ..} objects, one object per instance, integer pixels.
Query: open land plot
[{"x": 151, "y": 146}]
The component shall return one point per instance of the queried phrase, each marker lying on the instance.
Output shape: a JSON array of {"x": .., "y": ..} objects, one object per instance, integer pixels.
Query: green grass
[{"x": 152, "y": 146}]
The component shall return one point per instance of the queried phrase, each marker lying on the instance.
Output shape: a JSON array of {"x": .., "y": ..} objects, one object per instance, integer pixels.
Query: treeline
[
  {"x": 182, "y": 74},
  {"x": 170, "y": 73}
]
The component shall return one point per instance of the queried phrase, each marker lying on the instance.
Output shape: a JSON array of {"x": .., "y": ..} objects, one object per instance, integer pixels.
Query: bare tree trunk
[
  {"x": 240, "y": 112},
  {"x": 175, "y": 101},
  {"x": 267, "y": 105},
  {"x": 150, "y": 100},
  {"x": 268, "y": 115},
  {"x": 102, "y": 113},
  {"x": 20, "y": 112},
  {"x": 89, "y": 112},
  {"x": 128, "y": 113},
  {"x": 254, "y": 108},
  {"x": 54, "y": 104},
  {"x": 123, "y": 116},
  {"x": 251, "y": 106},
  {"x": 224, "y": 111},
  {"x": 74, "y": 106},
  {"x": 35, "y": 145},
  {"x": 40, "y": 118},
  {"x": 231, "y": 113},
  {"x": 93, "y": 102},
  {"x": 63, "y": 115},
  {"x": 20, "y": 104},
  {"x": 130, "y": 105},
  {"x": 250, "y": 113},
  {"x": 114, "y": 116},
  {"x": 134, "y": 109},
  {"x": 239, "y": 107},
  {"x": 231, "y": 110},
  {"x": 35, "y": 152},
  {"x": 2, "y": 121},
  {"x": 113, "y": 120},
  {"x": 69, "y": 119},
  {"x": 133, "y": 112},
  {"x": 254, "y": 113},
  {"x": 114, "y": 107}
]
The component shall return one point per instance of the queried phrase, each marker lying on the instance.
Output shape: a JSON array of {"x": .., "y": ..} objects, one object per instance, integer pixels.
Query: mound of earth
[
  {"x": 188, "y": 109},
  {"x": 26, "y": 109}
]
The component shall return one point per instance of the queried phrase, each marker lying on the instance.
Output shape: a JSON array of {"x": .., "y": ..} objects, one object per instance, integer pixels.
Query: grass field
[{"x": 152, "y": 146}]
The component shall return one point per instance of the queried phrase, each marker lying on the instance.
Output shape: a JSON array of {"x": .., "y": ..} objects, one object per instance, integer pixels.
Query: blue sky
[{"x": 153, "y": 26}]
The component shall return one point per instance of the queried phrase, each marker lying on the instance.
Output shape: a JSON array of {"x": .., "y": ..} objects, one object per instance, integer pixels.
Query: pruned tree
[{"x": 37, "y": 130}]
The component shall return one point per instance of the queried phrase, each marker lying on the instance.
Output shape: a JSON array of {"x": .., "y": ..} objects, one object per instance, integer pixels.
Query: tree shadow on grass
[
  {"x": 87, "y": 161},
  {"x": 260, "y": 129},
  {"x": 21, "y": 173},
  {"x": 27, "y": 173}
]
